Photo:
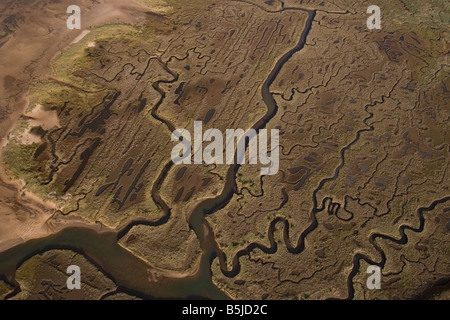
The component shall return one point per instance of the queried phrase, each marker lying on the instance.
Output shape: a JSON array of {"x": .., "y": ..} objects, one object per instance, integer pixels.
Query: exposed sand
[
  {"x": 27, "y": 54},
  {"x": 81, "y": 36},
  {"x": 45, "y": 119},
  {"x": 38, "y": 117},
  {"x": 23, "y": 215},
  {"x": 25, "y": 58}
]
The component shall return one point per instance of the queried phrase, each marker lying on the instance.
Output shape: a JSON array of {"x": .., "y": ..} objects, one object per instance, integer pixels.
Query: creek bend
[{"x": 102, "y": 248}]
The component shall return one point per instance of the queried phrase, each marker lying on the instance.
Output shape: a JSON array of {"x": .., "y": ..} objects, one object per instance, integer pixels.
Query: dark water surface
[{"x": 130, "y": 273}]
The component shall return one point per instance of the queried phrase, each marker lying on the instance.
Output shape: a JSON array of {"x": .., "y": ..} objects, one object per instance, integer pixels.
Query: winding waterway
[{"x": 103, "y": 250}]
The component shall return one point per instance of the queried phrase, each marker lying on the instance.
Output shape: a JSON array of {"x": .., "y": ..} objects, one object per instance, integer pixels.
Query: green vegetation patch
[
  {"x": 76, "y": 56},
  {"x": 20, "y": 159},
  {"x": 4, "y": 289}
]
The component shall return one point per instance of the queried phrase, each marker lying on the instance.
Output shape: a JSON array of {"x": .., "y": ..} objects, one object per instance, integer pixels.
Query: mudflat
[
  {"x": 36, "y": 33},
  {"x": 359, "y": 196}
]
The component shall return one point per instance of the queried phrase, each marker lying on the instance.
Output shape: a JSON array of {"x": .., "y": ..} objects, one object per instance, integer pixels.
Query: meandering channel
[
  {"x": 197, "y": 219},
  {"x": 103, "y": 250}
]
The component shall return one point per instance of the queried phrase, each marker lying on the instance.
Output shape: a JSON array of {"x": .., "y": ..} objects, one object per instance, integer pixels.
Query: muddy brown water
[
  {"x": 128, "y": 271},
  {"x": 103, "y": 250}
]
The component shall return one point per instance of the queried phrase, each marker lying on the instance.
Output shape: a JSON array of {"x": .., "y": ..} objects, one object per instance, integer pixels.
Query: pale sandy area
[
  {"x": 25, "y": 58},
  {"x": 43, "y": 118},
  {"x": 24, "y": 216},
  {"x": 38, "y": 117},
  {"x": 80, "y": 36}
]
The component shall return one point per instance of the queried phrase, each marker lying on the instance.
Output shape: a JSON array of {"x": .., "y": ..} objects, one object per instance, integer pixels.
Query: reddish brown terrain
[{"x": 87, "y": 179}]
